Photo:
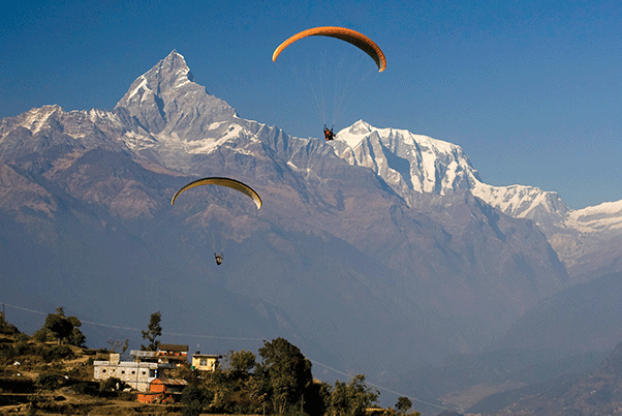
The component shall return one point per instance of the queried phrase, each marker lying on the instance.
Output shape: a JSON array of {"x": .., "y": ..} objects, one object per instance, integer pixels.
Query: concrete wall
[{"x": 137, "y": 375}]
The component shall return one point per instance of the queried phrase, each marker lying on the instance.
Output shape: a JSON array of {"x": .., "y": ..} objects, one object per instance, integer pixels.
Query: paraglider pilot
[
  {"x": 328, "y": 134},
  {"x": 219, "y": 258}
]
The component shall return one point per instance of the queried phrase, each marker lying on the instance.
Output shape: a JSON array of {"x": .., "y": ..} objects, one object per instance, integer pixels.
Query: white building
[{"x": 137, "y": 374}]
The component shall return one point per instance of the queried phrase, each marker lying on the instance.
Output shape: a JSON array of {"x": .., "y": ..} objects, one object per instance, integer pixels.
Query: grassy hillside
[{"x": 51, "y": 379}]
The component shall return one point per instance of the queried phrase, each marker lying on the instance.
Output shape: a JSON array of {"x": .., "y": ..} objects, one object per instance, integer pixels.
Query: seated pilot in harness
[{"x": 328, "y": 134}]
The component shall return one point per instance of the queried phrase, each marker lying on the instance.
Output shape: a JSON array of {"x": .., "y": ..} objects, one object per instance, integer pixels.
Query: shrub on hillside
[
  {"x": 57, "y": 352},
  {"x": 6, "y": 352},
  {"x": 48, "y": 381},
  {"x": 16, "y": 385},
  {"x": 112, "y": 384},
  {"x": 85, "y": 388},
  {"x": 42, "y": 335},
  {"x": 7, "y": 328},
  {"x": 22, "y": 348}
]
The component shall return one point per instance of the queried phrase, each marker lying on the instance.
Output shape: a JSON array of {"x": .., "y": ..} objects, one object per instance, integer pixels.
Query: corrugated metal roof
[
  {"x": 173, "y": 347},
  {"x": 132, "y": 364},
  {"x": 138, "y": 353},
  {"x": 172, "y": 381}
]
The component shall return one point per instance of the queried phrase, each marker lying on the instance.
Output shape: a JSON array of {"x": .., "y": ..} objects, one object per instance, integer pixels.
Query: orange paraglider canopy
[{"x": 348, "y": 35}]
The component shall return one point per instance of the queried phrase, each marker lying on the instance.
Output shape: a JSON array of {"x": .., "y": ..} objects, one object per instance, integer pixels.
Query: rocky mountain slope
[
  {"x": 378, "y": 251},
  {"x": 413, "y": 164},
  {"x": 328, "y": 229}
]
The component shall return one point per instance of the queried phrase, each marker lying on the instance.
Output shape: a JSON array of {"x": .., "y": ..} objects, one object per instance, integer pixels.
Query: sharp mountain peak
[
  {"x": 166, "y": 116},
  {"x": 165, "y": 100}
]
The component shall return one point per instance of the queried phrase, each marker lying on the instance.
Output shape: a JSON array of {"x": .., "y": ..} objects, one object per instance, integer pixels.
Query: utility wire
[{"x": 237, "y": 339}]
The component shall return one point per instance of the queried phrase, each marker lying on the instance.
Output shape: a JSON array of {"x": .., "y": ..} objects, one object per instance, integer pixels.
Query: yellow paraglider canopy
[{"x": 229, "y": 183}]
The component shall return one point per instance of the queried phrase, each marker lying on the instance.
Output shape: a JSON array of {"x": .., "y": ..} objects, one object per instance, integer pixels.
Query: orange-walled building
[{"x": 163, "y": 390}]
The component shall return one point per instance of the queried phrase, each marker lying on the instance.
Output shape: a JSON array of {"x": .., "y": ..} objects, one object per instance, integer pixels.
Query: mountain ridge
[
  {"x": 342, "y": 235},
  {"x": 419, "y": 164},
  {"x": 594, "y": 392},
  {"x": 194, "y": 134}
]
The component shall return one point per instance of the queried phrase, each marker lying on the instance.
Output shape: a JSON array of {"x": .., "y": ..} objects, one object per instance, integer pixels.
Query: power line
[
  {"x": 236, "y": 339},
  {"x": 380, "y": 387},
  {"x": 24, "y": 309},
  {"x": 139, "y": 330}
]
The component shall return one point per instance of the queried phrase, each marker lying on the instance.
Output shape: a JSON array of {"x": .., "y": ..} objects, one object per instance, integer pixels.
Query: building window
[
  {"x": 133, "y": 372},
  {"x": 144, "y": 372},
  {"x": 123, "y": 372},
  {"x": 104, "y": 370},
  {"x": 152, "y": 373},
  {"x": 203, "y": 361}
]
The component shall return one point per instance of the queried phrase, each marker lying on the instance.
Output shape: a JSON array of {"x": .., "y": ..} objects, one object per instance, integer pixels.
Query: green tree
[
  {"x": 353, "y": 398},
  {"x": 58, "y": 325},
  {"x": 76, "y": 337},
  {"x": 235, "y": 386},
  {"x": 192, "y": 398},
  {"x": 403, "y": 404},
  {"x": 287, "y": 373},
  {"x": 389, "y": 411},
  {"x": 317, "y": 398},
  {"x": 221, "y": 386},
  {"x": 114, "y": 344},
  {"x": 125, "y": 346},
  {"x": 241, "y": 363},
  {"x": 154, "y": 330},
  {"x": 339, "y": 399},
  {"x": 64, "y": 328}
]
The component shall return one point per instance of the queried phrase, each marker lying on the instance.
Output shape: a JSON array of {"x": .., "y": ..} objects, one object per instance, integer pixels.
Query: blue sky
[{"x": 531, "y": 90}]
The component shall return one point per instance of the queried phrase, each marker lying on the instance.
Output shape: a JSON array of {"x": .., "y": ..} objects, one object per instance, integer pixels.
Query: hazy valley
[{"x": 380, "y": 253}]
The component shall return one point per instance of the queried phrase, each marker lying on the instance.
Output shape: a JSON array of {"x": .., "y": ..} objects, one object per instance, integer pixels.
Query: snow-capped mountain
[
  {"x": 168, "y": 121},
  {"x": 588, "y": 240},
  {"x": 413, "y": 165},
  {"x": 380, "y": 232},
  {"x": 606, "y": 217},
  {"x": 180, "y": 119},
  {"x": 409, "y": 163}
]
